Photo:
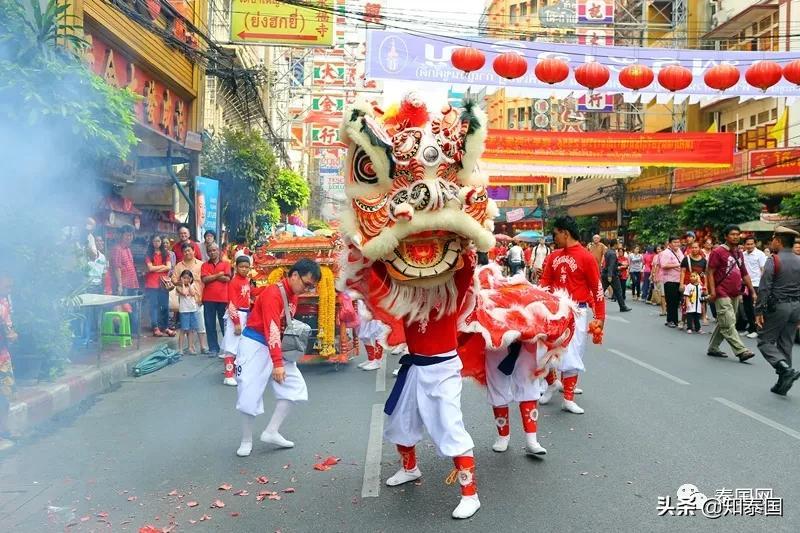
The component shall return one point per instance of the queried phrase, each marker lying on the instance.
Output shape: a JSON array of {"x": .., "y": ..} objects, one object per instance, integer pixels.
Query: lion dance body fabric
[{"x": 418, "y": 210}]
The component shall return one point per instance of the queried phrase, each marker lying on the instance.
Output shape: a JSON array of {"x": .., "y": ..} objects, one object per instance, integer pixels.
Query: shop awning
[
  {"x": 587, "y": 197},
  {"x": 758, "y": 226}
]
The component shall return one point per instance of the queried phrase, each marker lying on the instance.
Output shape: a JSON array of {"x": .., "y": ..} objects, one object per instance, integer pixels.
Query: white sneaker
[
  {"x": 548, "y": 393},
  {"x": 572, "y": 407},
  {"x": 404, "y": 476},
  {"x": 229, "y": 381},
  {"x": 276, "y": 439},
  {"x": 467, "y": 507},
  {"x": 578, "y": 390},
  {"x": 532, "y": 446},
  {"x": 244, "y": 449},
  {"x": 372, "y": 365},
  {"x": 752, "y": 335},
  {"x": 362, "y": 364},
  {"x": 395, "y": 372},
  {"x": 501, "y": 444}
]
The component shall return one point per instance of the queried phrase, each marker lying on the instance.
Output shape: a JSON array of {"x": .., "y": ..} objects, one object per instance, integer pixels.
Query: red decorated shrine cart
[{"x": 331, "y": 340}]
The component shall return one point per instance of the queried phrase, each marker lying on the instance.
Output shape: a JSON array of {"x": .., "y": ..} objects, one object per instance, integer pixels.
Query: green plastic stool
[{"x": 108, "y": 333}]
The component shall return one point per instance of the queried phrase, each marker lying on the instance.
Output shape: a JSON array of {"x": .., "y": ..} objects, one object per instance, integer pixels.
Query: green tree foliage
[
  {"x": 314, "y": 224},
  {"x": 291, "y": 191},
  {"x": 654, "y": 225},
  {"x": 716, "y": 208},
  {"x": 58, "y": 122},
  {"x": 245, "y": 164},
  {"x": 790, "y": 206},
  {"x": 45, "y": 86}
]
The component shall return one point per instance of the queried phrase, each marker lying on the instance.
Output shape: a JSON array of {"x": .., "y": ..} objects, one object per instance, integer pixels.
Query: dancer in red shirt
[
  {"x": 260, "y": 362},
  {"x": 574, "y": 269},
  {"x": 236, "y": 315}
]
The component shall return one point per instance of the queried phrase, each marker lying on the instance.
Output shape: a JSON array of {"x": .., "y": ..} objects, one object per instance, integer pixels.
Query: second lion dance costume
[{"x": 417, "y": 205}]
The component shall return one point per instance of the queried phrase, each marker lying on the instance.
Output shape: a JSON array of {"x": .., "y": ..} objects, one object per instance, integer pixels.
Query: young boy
[
  {"x": 693, "y": 295},
  {"x": 236, "y": 316}
]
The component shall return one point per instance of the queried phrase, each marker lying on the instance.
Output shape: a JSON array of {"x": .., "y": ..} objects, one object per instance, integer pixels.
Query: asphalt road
[{"x": 659, "y": 414}]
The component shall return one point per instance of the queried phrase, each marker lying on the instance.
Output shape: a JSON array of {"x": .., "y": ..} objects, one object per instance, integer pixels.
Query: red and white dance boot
[
  {"x": 578, "y": 390},
  {"x": 530, "y": 414},
  {"x": 552, "y": 385},
  {"x": 229, "y": 367},
  {"x": 465, "y": 474},
  {"x": 370, "y": 355},
  {"x": 569, "y": 395},
  {"x": 503, "y": 428},
  {"x": 375, "y": 363},
  {"x": 410, "y": 471}
]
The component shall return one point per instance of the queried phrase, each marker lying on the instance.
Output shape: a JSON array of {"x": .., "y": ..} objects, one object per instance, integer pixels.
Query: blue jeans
[
  {"x": 158, "y": 307},
  {"x": 646, "y": 287}
]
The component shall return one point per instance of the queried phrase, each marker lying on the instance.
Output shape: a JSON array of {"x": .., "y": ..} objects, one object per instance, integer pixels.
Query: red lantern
[
  {"x": 791, "y": 72},
  {"x": 763, "y": 74},
  {"x": 468, "y": 59},
  {"x": 675, "y": 77},
  {"x": 551, "y": 70},
  {"x": 636, "y": 77},
  {"x": 592, "y": 75},
  {"x": 510, "y": 65},
  {"x": 722, "y": 77}
]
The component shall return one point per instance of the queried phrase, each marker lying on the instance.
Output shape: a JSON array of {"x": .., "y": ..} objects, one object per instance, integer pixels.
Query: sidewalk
[{"x": 84, "y": 378}]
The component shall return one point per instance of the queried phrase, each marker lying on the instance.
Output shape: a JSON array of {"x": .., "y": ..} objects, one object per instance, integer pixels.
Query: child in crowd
[
  {"x": 236, "y": 316},
  {"x": 188, "y": 305},
  {"x": 7, "y": 337},
  {"x": 693, "y": 296}
]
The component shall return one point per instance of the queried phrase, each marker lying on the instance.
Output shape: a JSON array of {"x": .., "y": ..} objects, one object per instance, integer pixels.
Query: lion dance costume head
[
  {"x": 416, "y": 196},
  {"x": 417, "y": 204}
]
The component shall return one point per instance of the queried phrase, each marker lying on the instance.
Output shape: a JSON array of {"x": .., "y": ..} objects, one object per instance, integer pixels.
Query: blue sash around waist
[
  {"x": 250, "y": 333},
  {"x": 406, "y": 362}
]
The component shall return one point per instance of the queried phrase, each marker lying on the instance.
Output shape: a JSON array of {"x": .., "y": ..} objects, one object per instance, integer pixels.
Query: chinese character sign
[
  {"x": 283, "y": 23},
  {"x": 325, "y": 136},
  {"x": 595, "y": 11}
]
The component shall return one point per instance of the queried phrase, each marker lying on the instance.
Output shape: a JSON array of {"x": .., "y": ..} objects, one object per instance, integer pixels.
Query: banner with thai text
[
  {"x": 699, "y": 150},
  {"x": 393, "y": 55},
  {"x": 282, "y": 23}
]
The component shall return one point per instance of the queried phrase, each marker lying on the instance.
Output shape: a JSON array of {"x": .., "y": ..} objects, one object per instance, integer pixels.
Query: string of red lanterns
[{"x": 593, "y": 75}]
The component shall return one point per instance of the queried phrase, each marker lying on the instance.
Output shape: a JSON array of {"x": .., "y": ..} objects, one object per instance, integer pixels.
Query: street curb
[{"x": 25, "y": 415}]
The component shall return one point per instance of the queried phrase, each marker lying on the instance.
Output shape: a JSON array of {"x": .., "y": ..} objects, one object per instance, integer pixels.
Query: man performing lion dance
[
  {"x": 574, "y": 269},
  {"x": 417, "y": 204}
]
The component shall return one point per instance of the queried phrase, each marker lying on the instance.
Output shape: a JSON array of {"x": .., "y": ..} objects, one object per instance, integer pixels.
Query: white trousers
[
  {"x": 254, "y": 371},
  {"x": 230, "y": 341},
  {"x": 520, "y": 386},
  {"x": 431, "y": 401},
  {"x": 572, "y": 360}
]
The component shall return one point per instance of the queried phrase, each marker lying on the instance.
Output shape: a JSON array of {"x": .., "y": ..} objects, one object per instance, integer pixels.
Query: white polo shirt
[{"x": 755, "y": 261}]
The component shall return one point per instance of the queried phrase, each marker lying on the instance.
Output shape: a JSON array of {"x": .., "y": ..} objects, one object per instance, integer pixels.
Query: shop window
[
  {"x": 512, "y": 15},
  {"x": 774, "y": 114},
  {"x": 730, "y": 127},
  {"x": 521, "y": 118},
  {"x": 763, "y": 117},
  {"x": 523, "y": 9},
  {"x": 740, "y": 124},
  {"x": 753, "y": 120},
  {"x": 534, "y": 6},
  {"x": 510, "y": 122}
]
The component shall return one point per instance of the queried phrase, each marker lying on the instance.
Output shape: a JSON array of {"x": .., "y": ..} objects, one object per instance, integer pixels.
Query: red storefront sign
[
  {"x": 159, "y": 108},
  {"x": 694, "y": 178},
  {"x": 773, "y": 164},
  {"x": 698, "y": 150}
]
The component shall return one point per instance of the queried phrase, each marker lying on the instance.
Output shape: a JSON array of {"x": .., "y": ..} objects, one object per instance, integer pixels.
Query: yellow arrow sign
[{"x": 282, "y": 23}]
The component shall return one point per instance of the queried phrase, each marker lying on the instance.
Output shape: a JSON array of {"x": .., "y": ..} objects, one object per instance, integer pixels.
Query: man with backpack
[{"x": 727, "y": 276}]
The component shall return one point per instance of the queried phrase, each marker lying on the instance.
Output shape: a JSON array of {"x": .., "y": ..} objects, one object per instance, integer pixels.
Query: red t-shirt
[
  {"x": 622, "y": 267},
  {"x": 728, "y": 270},
  {"x": 152, "y": 280},
  {"x": 267, "y": 318},
  {"x": 178, "y": 250},
  {"x": 527, "y": 254},
  {"x": 238, "y": 296},
  {"x": 122, "y": 258},
  {"x": 215, "y": 291},
  {"x": 575, "y": 269},
  {"x": 434, "y": 336}
]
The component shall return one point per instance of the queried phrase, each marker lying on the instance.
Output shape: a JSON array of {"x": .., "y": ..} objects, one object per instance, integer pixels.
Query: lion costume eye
[{"x": 363, "y": 169}]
